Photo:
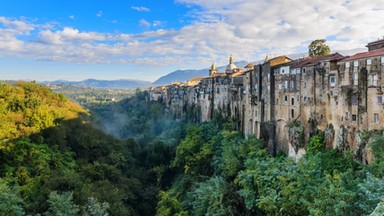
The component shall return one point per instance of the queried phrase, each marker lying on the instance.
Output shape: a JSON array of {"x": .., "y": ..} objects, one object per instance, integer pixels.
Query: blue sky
[{"x": 142, "y": 39}]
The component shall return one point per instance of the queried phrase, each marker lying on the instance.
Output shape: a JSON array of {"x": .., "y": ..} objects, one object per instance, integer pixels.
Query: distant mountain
[
  {"x": 184, "y": 75},
  {"x": 104, "y": 83}
]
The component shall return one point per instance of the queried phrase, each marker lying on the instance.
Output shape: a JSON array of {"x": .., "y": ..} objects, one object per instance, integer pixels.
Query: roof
[
  {"x": 331, "y": 57},
  {"x": 177, "y": 83},
  {"x": 279, "y": 60},
  {"x": 231, "y": 67},
  {"x": 314, "y": 61},
  {"x": 238, "y": 73},
  {"x": 375, "y": 42},
  {"x": 292, "y": 63},
  {"x": 195, "y": 79},
  {"x": 250, "y": 65},
  {"x": 219, "y": 74},
  {"x": 363, "y": 55}
]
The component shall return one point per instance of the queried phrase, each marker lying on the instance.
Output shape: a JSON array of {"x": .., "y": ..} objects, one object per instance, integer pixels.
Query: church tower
[
  {"x": 231, "y": 68},
  {"x": 213, "y": 70}
]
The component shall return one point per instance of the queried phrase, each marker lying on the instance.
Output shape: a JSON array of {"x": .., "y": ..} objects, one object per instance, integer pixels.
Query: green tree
[
  {"x": 377, "y": 165},
  {"x": 318, "y": 48},
  {"x": 61, "y": 204},
  {"x": 379, "y": 210},
  {"x": 371, "y": 193},
  {"x": 169, "y": 205},
  {"x": 95, "y": 208},
  {"x": 194, "y": 154},
  {"x": 10, "y": 201},
  {"x": 213, "y": 197}
]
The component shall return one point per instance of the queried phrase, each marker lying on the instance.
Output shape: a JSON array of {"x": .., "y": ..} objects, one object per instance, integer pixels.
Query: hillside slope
[
  {"x": 27, "y": 108},
  {"x": 123, "y": 83}
]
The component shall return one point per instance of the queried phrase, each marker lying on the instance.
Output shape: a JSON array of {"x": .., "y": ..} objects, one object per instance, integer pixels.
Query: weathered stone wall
[{"x": 263, "y": 105}]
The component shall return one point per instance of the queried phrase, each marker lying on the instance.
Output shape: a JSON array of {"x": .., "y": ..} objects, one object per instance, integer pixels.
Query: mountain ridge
[{"x": 95, "y": 83}]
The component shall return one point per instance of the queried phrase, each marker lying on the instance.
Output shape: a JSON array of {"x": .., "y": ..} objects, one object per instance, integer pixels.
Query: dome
[{"x": 231, "y": 67}]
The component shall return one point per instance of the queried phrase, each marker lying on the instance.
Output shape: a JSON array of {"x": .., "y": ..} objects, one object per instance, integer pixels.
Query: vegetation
[
  {"x": 87, "y": 96},
  {"x": 53, "y": 161},
  {"x": 238, "y": 177},
  {"x": 318, "y": 48}
]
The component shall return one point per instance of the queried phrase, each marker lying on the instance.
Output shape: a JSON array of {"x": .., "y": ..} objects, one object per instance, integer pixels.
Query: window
[
  {"x": 305, "y": 85},
  {"x": 286, "y": 84},
  {"x": 356, "y": 63},
  {"x": 303, "y": 70},
  {"x": 382, "y": 59},
  {"x": 376, "y": 118},
  {"x": 354, "y": 77},
  {"x": 292, "y": 113},
  {"x": 293, "y": 100},
  {"x": 286, "y": 98},
  {"x": 280, "y": 86},
  {"x": 332, "y": 80},
  {"x": 354, "y": 117},
  {"x": 347, "y": 64},
  {"x": 374, "y": 80},
  {"x": 277, "y": 71},
  {"x": 305, "y": 99},
  {"x": 379, "y": 99},
  {"x": 355, "y": 99},
  {"x": 282, "y": 71},
  {"x": 269, "y": 76},
  {"x": 269, "y": 89},
  {"x": 256, "y": 86},
  {"x": 292, "y": 85},
  {"x": 346, "y": 116},
  {"x": 369, "y": 61}
]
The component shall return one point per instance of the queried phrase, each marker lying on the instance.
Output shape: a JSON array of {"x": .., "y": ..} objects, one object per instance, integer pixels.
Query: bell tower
[{"x": 213, "y": 70}]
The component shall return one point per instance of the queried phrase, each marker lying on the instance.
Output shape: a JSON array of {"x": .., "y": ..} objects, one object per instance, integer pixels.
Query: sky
[{"x": 146, "y": 39}]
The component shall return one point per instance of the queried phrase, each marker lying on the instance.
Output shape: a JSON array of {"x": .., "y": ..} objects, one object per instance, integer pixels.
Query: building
[{"x": 285, "y": 102}]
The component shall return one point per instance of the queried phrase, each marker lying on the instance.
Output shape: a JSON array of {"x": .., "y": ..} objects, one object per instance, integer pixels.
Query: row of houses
[{"x": 285, "y": 101}]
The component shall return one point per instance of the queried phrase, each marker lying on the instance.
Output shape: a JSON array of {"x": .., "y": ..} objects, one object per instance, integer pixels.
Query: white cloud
[
  {"x": 20, "y": 26},
  {"x": 157, "y": 23},
  {"x": 145, "y": 23},
  {"x": 99, "y": 14},
  {"x": 68, "y": 34},
  {"x": 247, "y": 29},
  {"x": 140, "y": 9},
  {"x": 72, "y": 17}
]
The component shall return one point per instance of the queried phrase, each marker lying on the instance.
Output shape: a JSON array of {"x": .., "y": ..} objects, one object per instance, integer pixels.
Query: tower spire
[
  {"x": 213, "y": 66},
  {"x": 266, "y": 58},
  {"x": 231, "y": 59}
]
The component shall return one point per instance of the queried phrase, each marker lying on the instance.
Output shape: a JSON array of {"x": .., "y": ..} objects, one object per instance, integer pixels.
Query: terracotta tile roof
[
  {"x": 300, "y": 62},
  {"x": 195, "y": 79},
  {"x": 313, "y": 61},
  {"x": 238, "y": 73},
  {"x": 363, "y": 55},
  {"x": 219, "y": 74},
  {"x": 331, "y": 57}
]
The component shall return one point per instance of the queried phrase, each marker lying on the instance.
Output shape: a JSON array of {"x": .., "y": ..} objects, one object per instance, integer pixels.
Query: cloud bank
[{"x": 247, "y": 29}]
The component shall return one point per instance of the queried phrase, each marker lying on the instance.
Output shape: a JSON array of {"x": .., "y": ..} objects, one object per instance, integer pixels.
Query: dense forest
[
  {"x": 53, "y": 161},
  {"x": 133, "y": 158}
]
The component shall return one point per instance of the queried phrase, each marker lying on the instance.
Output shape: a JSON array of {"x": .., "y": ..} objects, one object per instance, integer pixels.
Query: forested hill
[
  {"x": 27, "y": 108},
  {"x": 53, "y": 162}
]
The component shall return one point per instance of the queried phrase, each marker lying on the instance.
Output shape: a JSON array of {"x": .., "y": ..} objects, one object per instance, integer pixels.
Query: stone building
[{"x": 285, "y": 101}]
